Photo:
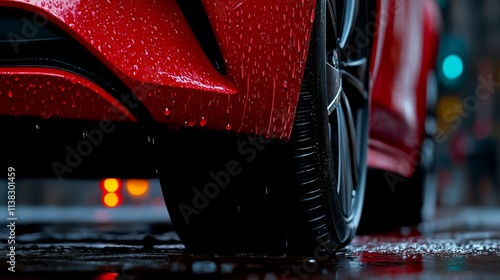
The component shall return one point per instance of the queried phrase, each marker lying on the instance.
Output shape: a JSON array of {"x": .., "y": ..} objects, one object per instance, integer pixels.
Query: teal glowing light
[{"x": 453, "y": 67}]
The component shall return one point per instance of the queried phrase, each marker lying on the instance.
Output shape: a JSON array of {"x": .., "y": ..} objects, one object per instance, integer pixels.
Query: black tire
[
  {"x": 231, "y": 193},
  {"x": 393, "y": 201}
]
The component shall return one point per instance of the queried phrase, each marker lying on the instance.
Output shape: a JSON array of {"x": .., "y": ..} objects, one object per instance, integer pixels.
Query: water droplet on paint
[
  {"x": 203, "y": 121},
  {"x": 167, "y": 112}
]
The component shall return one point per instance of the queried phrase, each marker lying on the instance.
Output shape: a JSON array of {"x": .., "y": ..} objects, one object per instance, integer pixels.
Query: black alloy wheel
[{"x": 333, "y": 112}]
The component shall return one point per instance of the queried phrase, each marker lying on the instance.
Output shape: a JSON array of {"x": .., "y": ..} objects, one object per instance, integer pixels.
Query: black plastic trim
[{"x": 200, "y": 25}]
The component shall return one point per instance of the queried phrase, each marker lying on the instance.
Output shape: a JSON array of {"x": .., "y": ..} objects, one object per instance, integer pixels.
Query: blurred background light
[
  {"x": 453, "y": 67},
  {"x": 137, "y": 187},
  {"x": 111, "y": 185},
  {"x": 111, "y": 200}
]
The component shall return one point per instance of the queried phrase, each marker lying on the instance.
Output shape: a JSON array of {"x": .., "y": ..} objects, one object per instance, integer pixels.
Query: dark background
[{"x": 467, "y": 108}]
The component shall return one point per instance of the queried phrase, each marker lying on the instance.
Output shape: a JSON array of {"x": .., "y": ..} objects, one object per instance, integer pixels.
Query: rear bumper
[{"x": 151, "y": 48}]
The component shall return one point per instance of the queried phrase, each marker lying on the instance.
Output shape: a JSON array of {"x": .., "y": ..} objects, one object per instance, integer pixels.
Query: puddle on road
[{"x": 112, "y": 255}]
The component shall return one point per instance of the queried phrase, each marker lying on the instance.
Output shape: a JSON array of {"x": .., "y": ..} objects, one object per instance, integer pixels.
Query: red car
[{"x": 261, "y": 118}]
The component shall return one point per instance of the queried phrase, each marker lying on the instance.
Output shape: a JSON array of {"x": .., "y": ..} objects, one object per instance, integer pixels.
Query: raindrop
[
  {"x": 10, "y": 94},
  {"x": 167, "y": 112},
  {"x": 228, "y": 126},
  {"x": 285, "y": 84},
  {"x": 46, "y": 114},
  {"x": 192, "y": 122},
  {"x": 37, "y": 127},
  {"x": 85, "y": 133},
  {"x": 203, "y": 121}
]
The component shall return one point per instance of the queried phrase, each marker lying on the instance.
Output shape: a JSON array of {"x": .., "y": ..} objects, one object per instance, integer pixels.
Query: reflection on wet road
[{"x": 152, "y": 251}]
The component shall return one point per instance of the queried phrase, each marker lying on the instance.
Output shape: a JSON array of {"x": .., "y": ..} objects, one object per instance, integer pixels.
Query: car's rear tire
[
  {"x": 393, "y": 201},
  {"x": 231, "y": 193}
]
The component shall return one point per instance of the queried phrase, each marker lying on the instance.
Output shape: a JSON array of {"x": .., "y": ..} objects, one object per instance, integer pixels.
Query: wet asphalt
[{"x": 458, "y": 244}]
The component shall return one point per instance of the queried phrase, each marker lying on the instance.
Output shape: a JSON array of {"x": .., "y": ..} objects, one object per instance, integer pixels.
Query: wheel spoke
[
  {"x": 354, "y": 83},
  {"x": 333, "y": 87},
  {"x": 351, "y": 138},
  {"x": 342, "y": 25},
  {"x": 350, "y": 8},
  {"x": 332, "y": 15},
  {"x": 355, "y": 63},
  {"x": 345, "y": 161}
]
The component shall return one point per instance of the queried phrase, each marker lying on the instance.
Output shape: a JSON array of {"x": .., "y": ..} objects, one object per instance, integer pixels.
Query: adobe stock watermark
[
  {"x": 29, "y": 30},
  {"x": 76, "y": 154},
  {"x": 454, "y": 117},
  {"x": 11, "y": 219}
]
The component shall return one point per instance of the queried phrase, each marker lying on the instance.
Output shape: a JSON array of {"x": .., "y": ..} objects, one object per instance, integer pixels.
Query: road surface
[{"x": 459, "y": 244}]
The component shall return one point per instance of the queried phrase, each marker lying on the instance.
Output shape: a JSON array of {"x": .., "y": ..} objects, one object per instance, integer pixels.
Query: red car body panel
[
  {"x": 46, "y": 92},
  {"x": 264, "y": 44},
  {"x": 404, "y": 52},
  {"x": 151, "y": 48}
]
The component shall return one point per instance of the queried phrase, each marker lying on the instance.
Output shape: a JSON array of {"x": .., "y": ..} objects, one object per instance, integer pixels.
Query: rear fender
[{"x": 150, "y": 47}]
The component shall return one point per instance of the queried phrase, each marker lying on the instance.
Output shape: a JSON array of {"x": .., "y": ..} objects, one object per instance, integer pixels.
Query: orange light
[
  {"x": 111, "y": 185},
  {"x": 137, "y": 187},
  {"x": 111, "y": 200},
  {"x": 111, "y": 188}
]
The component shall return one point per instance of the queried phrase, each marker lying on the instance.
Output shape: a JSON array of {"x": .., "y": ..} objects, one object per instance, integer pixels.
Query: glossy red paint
[
  {"x": 404, "y": 50},
  {"x": 265, "y": 45},
  {"x": 150, "y": 46},
  {"x": 53, "y": 93}
]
